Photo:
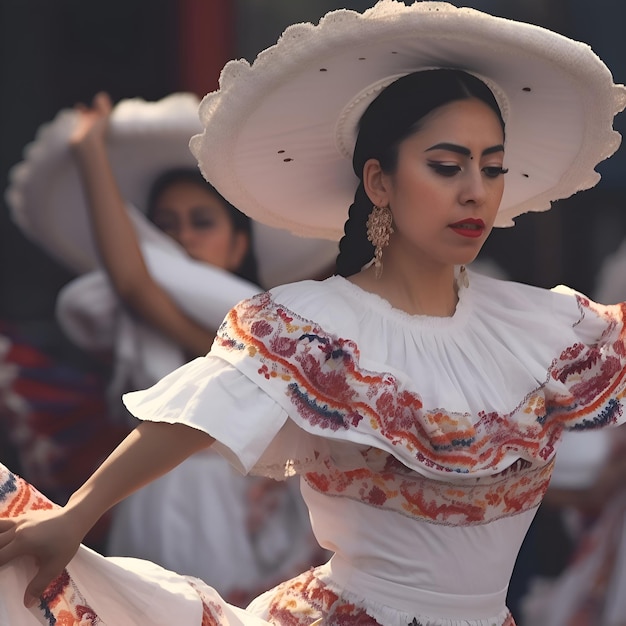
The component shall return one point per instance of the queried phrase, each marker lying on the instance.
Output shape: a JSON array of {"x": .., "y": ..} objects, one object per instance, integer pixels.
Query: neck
[{"x": 417, "y": 289}]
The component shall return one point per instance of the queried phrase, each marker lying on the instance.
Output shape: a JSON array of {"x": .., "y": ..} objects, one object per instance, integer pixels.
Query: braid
[{"x": 354, "y": 248}]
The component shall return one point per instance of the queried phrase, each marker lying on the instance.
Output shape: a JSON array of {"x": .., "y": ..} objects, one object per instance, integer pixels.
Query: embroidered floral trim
[
  {"x": 212, "y": 612},
  {"x": 518, "y": 488},
  {"x": 322, "y": 384},
  {"x": 306, "y": 599},
  {"x": 61, "y": 604},
  {"x": 309, "y": 600}
]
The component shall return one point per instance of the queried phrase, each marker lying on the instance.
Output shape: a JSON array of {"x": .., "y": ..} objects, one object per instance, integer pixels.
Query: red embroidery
[{"x": 321, "y": 376}]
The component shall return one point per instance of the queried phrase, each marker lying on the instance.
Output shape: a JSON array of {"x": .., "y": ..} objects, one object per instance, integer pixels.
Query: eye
[
  {"x": 202, "y": 223},
  {"x": 444, "y": 169},
  {"x": 494, "y": 171},
  {"x": 165, "y": 225}
]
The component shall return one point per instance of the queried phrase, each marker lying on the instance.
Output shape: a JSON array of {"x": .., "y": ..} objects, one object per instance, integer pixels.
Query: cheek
[
  {"x": 217, "y": 243},
  {"x": 498, "y": 192},
  {"x": 418, "y": 204}
]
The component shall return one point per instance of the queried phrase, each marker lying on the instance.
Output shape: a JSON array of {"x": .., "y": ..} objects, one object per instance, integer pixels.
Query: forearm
[
  {"x": 156, "y": 307},
  {"x": 148, "y": 452},
  {"x": 112, "y": 228},
  {"x": 121, "y": 254}
]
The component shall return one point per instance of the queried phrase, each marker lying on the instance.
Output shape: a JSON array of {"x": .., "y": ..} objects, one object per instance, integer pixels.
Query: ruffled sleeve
[
  {"x": 212, "y": 396},
  {"x": 575, "y": 379},
  {"x": 588, "y": 377},
  {"x": 322, "y": 372},
  {"x": 251, "y": 429}
]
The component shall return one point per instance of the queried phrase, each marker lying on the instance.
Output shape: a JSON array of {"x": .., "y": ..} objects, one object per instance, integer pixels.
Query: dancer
[
  {"x": 420, "y": 403},
  {"x": 261, "y": 532}
]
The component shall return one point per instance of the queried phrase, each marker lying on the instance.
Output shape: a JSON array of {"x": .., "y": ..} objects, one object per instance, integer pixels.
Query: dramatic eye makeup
[
  {"x": 450, "y": 169},
  {"x": 444, "y": 169}
]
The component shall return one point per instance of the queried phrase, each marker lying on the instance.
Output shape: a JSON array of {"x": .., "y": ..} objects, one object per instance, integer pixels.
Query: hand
[
  {"x": 47, "y": 536},
  {"x": 93, "y": 122}
]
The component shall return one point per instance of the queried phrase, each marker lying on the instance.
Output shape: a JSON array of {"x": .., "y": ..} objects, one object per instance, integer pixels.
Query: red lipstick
[{"x": 469, "y": 227}]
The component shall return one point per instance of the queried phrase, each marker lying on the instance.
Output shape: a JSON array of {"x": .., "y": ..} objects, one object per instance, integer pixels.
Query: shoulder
[
  {"x": 328, "y": 303},
  {"x": 523, "y": 297},
  {"x": 558, "y": 312}
]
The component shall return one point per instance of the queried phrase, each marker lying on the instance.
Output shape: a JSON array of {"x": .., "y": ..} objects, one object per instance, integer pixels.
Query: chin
[{"x": 464, "y": 259}]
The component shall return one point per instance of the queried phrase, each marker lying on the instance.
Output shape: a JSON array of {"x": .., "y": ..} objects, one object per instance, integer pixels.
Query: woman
[
  {"x": 420, "y": 403},
  {"x": 260, "y": 533}
]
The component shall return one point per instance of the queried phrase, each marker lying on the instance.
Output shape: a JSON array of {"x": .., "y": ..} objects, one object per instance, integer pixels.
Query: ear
[
  {"x": 375, "y": 183},
  {"x": 238, "y": 250}
]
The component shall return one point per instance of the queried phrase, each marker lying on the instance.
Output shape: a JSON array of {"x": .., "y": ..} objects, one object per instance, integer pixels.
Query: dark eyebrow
[{"x": 452, "y": 147}]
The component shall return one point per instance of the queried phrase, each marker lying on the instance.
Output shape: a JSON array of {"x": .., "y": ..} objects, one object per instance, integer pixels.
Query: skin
[
  {"x": 196, "y": 219},
  {"x": 117, "y": 242},
  {"x": 418, "y": 277},
  {"x": 447, "y": 171}
]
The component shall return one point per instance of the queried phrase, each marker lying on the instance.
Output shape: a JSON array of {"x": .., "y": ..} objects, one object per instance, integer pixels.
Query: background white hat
[
  {"x": 278, "y": 134},
  {"x": 145, "y": 138}
]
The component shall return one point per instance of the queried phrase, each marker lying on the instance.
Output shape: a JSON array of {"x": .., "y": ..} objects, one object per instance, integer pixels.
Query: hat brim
[
  {"x": 145, "y": 138},
  {"x": 278, "y": 134}
]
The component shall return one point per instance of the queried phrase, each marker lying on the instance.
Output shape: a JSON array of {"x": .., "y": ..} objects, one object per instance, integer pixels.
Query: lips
[{"x": 469, "y": 227}]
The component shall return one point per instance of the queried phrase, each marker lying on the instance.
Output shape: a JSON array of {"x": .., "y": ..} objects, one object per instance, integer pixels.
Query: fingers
[{"x": 102, "y": 103}]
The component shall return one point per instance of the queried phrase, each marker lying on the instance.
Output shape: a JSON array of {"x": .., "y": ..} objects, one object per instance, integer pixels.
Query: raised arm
[
  {"x": 116, "y": 238},
  {"x": 53, "y": 536}
]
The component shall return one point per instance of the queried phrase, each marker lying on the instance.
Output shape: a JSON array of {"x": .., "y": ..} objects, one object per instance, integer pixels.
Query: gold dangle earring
[{"x": 379, "y": 230}]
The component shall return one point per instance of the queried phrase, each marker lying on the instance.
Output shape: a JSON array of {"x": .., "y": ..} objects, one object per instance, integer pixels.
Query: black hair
[
  {"x": 248, "y": 268},
  {"x": 394, "y": 115}
]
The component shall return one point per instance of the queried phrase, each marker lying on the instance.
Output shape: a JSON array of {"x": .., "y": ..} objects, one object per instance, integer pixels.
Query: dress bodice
[{"x": 425, "y": 444}]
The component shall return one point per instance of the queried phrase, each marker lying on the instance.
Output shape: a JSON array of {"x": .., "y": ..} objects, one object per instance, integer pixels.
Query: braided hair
[{"x": 395, "y": 114}]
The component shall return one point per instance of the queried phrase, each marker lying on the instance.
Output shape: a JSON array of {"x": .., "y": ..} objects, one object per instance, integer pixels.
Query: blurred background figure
[
  {"x": 167, "y": 283},
  {"x": 611, "y": 281},
  {"x": 587, "y": 500},
  {"x": 588, "y": 494}
]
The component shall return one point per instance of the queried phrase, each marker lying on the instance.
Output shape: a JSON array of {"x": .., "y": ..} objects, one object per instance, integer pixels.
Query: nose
[
  {"x": 473, "y": 190},
  {"x": 184, "y": 235}
]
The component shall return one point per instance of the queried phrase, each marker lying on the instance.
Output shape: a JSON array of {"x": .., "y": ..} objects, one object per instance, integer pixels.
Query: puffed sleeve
[
  {"x": 252, "y": 431},
  {"x": 588, "y": 377}
]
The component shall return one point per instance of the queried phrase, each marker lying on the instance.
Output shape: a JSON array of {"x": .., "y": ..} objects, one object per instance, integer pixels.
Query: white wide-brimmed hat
[
  {"x": 279, "y": 133},
  {"x": 145, "y": 138}
]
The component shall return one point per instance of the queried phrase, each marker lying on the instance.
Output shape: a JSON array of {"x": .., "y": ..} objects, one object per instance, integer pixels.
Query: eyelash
[{"x": 451, "y": 170}]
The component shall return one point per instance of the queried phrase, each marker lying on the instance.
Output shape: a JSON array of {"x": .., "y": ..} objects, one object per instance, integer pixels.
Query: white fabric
[
  {"x": 441, "y": 570},
  {"x": 203, "y": 499},
  {"x": 282, "y": 154},
  {"x": 580, "y": 458},
  {"x": 90, "y": 313},
  {"x": 87, "y": 306},
  {"x": 195, "y": 520},
  {"x": 46, "y": 200},
  {"x": 479, "y": 357}
]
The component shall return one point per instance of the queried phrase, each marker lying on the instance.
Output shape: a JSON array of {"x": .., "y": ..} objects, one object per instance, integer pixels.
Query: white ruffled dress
[{"x": 424, "y": 447}]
